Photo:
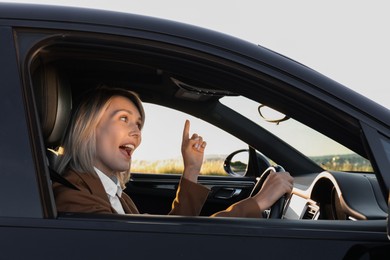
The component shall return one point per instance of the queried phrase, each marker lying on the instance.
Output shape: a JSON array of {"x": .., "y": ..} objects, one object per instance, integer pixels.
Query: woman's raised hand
[{"x": 192, "y": 150}]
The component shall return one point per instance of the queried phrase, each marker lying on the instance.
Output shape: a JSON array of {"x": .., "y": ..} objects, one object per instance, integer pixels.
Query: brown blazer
[{"x": 92, "y": 198}]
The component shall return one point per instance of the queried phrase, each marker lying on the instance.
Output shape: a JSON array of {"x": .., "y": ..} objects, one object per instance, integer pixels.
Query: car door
[{"x": 34, "y": 228}]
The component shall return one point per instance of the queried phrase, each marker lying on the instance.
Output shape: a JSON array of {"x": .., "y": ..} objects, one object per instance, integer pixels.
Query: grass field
[
  {"x": 215, "y": 166},
  {"x": 175, "y": 166}
]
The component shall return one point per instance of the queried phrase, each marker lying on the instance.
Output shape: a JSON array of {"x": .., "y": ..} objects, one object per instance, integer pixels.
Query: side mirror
[{"x": 236, "y": 163}]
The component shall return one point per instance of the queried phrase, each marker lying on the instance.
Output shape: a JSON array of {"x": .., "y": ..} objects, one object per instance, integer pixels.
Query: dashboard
[
  {"x": 298, "y": 207},
  {"x": 336, "y": 196}
]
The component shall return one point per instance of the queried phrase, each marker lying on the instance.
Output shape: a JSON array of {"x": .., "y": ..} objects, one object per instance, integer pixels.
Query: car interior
[{"x": 192, "y": 82}]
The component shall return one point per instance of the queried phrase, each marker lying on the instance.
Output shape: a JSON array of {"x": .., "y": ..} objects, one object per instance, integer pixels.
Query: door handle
[{"x": 227, "y": 193}]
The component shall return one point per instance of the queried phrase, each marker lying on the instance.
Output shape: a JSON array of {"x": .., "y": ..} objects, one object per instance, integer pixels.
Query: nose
[{"x": 134, "y": 130}]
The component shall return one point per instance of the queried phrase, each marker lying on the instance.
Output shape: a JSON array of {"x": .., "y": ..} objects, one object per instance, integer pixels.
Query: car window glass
[
  {"x": 327, "y": 153},
  {"x": 160, "y": 151}
]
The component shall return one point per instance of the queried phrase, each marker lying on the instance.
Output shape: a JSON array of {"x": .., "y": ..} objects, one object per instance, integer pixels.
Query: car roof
[{"x": 34, "y": 12}]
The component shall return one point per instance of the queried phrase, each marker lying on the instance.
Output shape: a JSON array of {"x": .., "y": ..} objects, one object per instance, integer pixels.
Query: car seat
[{"x": 54, "y": 103}]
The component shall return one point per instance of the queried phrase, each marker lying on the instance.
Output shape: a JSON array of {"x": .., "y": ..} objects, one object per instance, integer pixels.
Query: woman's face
[{"x": 118, "y": 134}]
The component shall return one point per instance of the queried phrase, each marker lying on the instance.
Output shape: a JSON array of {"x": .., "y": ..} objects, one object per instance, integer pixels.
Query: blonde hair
[
  {"x": 79, "y": 146},
  {"x": 123, "y": 178}
]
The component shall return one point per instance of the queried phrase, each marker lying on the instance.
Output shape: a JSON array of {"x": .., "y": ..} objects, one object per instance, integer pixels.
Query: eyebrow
[
  {"x": 121, "y": 110},
  {"x": 125, "y": 110}
]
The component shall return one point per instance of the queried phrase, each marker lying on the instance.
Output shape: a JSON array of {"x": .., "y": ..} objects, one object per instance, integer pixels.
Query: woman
[{"x": 98, "y": 146}]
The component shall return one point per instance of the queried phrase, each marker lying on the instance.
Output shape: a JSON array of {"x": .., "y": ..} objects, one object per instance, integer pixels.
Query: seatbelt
[{"x": 56, "y": 177}]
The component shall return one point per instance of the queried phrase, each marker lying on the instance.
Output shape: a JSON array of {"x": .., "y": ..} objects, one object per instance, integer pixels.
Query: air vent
[{"x": 311, "y": 212}]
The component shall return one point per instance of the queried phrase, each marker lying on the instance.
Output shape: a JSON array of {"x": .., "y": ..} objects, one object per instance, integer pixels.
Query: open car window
[{"x": 160, "y": 152}]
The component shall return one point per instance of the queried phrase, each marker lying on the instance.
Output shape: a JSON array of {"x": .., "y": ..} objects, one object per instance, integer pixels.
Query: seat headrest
[{"x": 54, "y": 102}]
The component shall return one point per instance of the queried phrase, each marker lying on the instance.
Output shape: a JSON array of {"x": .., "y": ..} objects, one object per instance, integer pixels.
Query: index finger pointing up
[{"x": 186, "y": 130}]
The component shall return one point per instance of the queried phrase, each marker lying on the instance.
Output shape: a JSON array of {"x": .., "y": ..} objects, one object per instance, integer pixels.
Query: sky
[{"x": 345, "y": 40}]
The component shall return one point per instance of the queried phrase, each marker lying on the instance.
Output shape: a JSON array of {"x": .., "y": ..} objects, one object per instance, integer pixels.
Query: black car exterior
[{"x": 85, "y": 45}]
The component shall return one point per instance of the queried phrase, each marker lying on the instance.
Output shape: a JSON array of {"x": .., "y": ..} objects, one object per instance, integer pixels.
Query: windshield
[{"x": 327, "y": 153}]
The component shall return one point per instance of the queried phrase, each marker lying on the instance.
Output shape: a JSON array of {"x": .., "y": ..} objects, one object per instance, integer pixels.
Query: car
[{"x": 332, "y": 140}]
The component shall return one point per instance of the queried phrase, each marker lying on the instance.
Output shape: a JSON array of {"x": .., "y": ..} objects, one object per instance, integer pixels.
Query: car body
[{"x": 50, "y": 55}]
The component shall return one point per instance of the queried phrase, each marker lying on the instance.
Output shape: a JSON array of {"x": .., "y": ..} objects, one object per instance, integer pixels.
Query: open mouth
[{"x": 127, "y": 148}]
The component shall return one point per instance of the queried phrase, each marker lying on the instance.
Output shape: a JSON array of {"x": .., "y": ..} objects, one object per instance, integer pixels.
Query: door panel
[
  {"x": 147, "y": 237},
  {"x": 154, "y": 193}
]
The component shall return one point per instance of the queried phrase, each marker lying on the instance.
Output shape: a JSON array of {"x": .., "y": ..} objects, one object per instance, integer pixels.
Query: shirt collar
[{"x": 111, "y": 186}]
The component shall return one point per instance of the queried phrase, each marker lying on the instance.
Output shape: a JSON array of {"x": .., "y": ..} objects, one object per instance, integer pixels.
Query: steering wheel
[{"x": 276, "y": 209}]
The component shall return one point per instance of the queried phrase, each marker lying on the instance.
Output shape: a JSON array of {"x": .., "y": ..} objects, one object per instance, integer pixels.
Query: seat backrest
[{"x": 54, "y": 102}]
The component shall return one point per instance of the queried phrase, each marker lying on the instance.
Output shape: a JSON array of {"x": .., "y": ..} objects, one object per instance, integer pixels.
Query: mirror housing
[{"x": 236, "y": 163}]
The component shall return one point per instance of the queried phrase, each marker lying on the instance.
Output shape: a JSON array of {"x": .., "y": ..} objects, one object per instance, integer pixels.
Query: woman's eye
[{"x": 123, "y": 118}]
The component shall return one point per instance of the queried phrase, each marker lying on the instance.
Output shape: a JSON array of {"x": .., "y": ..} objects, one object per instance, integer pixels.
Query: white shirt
[{"x": 113, "y": 190}]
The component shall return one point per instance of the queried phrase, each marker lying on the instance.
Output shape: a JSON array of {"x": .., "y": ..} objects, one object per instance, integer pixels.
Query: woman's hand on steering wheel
[{"x": 270, "y": 189}]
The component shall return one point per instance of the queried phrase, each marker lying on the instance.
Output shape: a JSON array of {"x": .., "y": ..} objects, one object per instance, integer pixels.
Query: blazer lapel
[{"x": 95, "y": 186}]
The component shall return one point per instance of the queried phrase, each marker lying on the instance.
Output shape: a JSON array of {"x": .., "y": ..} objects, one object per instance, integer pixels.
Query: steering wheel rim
[{"x": 276, "y": 209}]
